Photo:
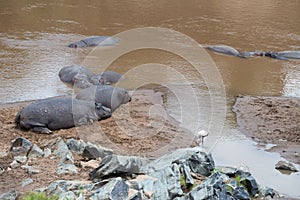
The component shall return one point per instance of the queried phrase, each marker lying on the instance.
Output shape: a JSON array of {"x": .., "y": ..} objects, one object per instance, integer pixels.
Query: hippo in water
[
  {"x": 76, "y": 74},
  {"x": 82, "y": 78},
  {"x": 283, "y": 55},
  {"x": 108, "y": 96},
  {"x": 224, "y": 49},
  {"x": 95, "y": 41},
  {"x": 59, "y": 113},
  {"x": 107, "y": 78}
]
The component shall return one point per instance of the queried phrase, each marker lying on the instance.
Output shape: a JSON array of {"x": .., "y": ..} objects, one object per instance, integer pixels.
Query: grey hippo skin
[
  {"x": 76, "y": 75},
  {"x": 107, "y": 78},
  {"x": 108, "y": 96},
  {"x": 283, "y": 55},
  {"x": 224, "y": 49},
  {"x": 59, "y": 113},
  {"x": 95, "y": 41}
]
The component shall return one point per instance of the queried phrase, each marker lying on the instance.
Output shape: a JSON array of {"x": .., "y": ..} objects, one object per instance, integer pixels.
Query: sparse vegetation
[{"x": 39, "y": 196}]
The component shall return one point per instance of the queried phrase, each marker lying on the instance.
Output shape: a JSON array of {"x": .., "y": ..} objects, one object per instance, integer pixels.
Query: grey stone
[
  {"x": 212, "y": 188},
  {"x": 152, "y": 187},
  {"x": 198, "y": 161},
  {"x": 61, "y": 149},
  {"x": 282, "y": 165},
  {"x": 229, "y": 171},
  {"x": 170, "y": 177},
  {"x": 20, "y": 159},
  {"x": 26, "y": 182},
  {"x": 116, "y": 164},
  {"x": 250, "y": 183},
  {"x": 10, "y": 195},
  {"x": 14, "y": 164},
  {"x": 76, "y": 146},
  {"x": 30, "y": 169},
  {"x": 1, "y": 169},
  {"x": 92, "y": 151},
  {"x": 114, "y": 189},
  {"x": 66, "y": 169},
  {"x": 36, "y": 152},
  {"x": 187, "y": 175},
  {"x": 265, "y": 191},
  {"x": 20, "y": 147},
  {"x": 67, "y": 195},
  {"x": 241, "y": 193},
  {"x": 47, "y": 152}
]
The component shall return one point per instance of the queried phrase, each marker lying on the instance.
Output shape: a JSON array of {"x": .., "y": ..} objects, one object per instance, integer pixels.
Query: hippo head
[
  {"x": 77, "y": 44},
  {"x": 126, "y": 97},
  {"x": 102, "y": 111}
]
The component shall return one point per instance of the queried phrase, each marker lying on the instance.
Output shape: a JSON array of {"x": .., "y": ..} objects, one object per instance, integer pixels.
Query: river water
[{"x": 34, "y": 35}]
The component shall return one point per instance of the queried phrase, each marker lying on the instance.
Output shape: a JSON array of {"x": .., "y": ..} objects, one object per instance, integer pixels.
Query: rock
[
  {"x": 20, "y": 147},
  {"x": 14, "y": 164},
  {"x": 152, "y": 187},
  {"x": 187, "y": 175},
  {"x": 229, "y": 171},
  {"x": 114, "y": 189},
  {"x": 10, "y": 195},
  {"x": 61, "y": 149},
  {"x": 241, "y": 193},
  {"x": 67, "y": 195},
  {"x": 76, "y": 146},
  {"x": 1, "y": 169},
  {"x": 36, "y": 152},
  {"x": 92, "y": 151},
  {"x": 66, "y": 169},
  {"x": 170, "y": 177},
  {"x": 26, "y": 181},
  {"x": 198, "y": 161},
  {"x": 20, "y": 159},
  {"x": 265, "y": 191},
  {"x": 30, "y": 169},
  {"x": 250, "y": 183},
  {"x": 116, "y": 165},
  {"x": 90, "y": 164},
  {"x": 212, "y": 188},
  {"x": 47, "y": 152},
  {"x": 282, "y": 165}
]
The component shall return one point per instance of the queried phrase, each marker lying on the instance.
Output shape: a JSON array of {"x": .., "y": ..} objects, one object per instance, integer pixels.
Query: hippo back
[{"x": 69, "y": 73}]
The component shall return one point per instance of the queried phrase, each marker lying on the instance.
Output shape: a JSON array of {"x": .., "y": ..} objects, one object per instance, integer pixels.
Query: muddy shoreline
[{"x": 271, "y": 120}]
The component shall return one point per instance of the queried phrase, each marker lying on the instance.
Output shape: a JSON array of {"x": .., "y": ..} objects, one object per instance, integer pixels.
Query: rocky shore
[
  {"x": 81, "y": 164},
  {"x": 187, "y": 173}
]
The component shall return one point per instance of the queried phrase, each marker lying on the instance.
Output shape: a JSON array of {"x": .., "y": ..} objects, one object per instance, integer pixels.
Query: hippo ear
[{"x": 98, "y": 105}]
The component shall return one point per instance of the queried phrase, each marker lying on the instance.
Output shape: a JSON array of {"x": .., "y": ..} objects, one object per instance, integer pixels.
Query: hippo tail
[{"x": 18, "y": 119}]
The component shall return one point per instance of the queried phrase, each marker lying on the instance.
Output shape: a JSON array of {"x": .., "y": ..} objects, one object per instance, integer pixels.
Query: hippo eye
[{"x": 75, "y": 45}]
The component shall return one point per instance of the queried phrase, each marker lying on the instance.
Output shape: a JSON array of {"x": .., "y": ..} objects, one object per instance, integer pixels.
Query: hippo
[
  {"x": 109, "y": 96},
  {"x": 283, "y": 55},
  {"x": 95, "y": 41},
  {"x": 75, "y": 73},
  {"x": 107, "y": 78},
  {"x": 225, "y": 50},
  {"x": 46, "y": 115}
]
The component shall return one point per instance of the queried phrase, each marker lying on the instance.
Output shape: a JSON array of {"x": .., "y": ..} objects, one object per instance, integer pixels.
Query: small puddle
[{"x": 242, "y": 152}]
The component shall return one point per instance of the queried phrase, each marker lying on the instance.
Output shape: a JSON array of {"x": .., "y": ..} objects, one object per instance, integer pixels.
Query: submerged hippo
[
  {"x": 225, "y": 50},
  {"x": 107, "y": 78},
  {"x": 283, "y": 55},
  {"x": 108, "y": 96},
  {"x": 59, "y": 113},
  {"x": 95, "y": 41}
]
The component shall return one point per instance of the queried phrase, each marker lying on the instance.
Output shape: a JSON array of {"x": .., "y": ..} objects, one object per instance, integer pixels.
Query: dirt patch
[
  {"x": 138, "y": 128},
  {"x": 272, "y": 120}
]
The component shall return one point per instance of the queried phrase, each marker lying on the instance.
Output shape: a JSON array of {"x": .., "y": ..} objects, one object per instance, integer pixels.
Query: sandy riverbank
[{"x": 272, "y": 120}]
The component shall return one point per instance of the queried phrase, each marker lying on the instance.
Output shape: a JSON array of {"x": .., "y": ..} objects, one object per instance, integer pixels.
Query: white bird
[{"x": 200, "y": 136}]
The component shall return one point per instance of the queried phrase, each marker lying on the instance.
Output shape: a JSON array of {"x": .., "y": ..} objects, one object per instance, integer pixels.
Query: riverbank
[{"x": 274, "y": 122}]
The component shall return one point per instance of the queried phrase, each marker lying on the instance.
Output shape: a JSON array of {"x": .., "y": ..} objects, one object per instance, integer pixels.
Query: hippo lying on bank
[
  {"x": 95, "y": 41},
  {"x": 82, "y": 78},
  {"x": 59, "y": 113},
  {"x": 107, "y": 78},
  {"x": 283, "y": 55},
  {"x": 109, "y": 96},
  {"x": 224, "y": 49}
]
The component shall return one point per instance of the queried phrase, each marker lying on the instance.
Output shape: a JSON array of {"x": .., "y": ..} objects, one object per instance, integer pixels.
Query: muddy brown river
[{"x": 34, "y": 35}]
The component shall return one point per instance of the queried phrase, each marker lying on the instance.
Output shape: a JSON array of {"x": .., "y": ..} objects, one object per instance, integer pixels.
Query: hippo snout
[{"x": 106, "y": 112}]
